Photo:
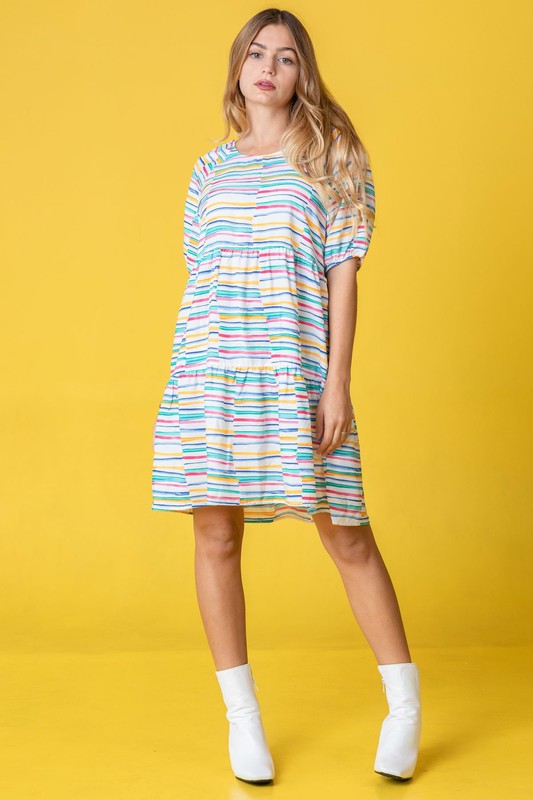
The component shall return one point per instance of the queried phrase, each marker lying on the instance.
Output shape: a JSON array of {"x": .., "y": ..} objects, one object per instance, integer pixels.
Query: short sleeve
[
  {"x": 340, "y": 242},
  {"x": 191, "y": 223}
]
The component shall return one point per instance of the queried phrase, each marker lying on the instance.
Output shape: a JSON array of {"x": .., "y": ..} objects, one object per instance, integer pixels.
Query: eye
[{"x": 285, "y": 59}]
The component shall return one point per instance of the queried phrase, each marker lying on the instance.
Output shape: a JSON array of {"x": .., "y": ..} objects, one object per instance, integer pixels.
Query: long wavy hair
[{"x": 320, "y": 141}]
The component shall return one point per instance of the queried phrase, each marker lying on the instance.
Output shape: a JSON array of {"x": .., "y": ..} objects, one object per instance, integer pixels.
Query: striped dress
[{"x": 236, "y": 423}]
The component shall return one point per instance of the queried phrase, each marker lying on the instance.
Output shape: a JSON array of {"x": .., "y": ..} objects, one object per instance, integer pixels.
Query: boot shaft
[
  {"x": 401, "y": 684},
  {"x": 238, "y": 690}
]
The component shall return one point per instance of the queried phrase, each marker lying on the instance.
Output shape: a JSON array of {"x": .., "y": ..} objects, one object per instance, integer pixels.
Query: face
[{"x": 271, "y": 57}]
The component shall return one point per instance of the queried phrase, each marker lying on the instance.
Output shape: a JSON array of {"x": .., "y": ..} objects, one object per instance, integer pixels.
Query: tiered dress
[{"x": 236, "y": 424}]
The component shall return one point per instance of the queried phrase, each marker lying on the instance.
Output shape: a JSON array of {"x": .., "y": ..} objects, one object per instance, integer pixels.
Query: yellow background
[{"x": 105, "y": 107}]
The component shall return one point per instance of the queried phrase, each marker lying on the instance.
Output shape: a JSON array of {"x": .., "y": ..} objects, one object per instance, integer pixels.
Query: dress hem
[{"x": 279, "y": 513}]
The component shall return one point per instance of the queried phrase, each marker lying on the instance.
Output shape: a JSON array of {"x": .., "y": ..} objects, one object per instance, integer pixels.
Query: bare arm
[{"x": 335, "y": 410}]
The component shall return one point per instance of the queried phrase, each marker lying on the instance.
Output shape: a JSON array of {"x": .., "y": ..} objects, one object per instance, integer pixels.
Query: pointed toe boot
[
  {"x": 250, "y": 756},
  {"x": 399, "y": 737}
]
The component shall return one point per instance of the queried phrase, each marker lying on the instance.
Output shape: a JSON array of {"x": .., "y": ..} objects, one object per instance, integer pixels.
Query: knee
[
  {"x": 350, "y": 543},
  {"x": 217, "y": 536}
]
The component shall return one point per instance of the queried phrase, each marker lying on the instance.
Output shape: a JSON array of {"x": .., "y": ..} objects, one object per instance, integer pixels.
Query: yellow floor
[{"x": 152, "y": 725}]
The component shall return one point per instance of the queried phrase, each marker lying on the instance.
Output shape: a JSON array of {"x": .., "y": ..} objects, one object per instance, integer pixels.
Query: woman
[{"x": 256, "y": 421}]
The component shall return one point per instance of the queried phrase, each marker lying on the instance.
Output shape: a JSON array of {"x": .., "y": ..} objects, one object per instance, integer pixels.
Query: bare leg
[
  {"x": 218, "y": 532},
  {"x": 368, "y": 586}
]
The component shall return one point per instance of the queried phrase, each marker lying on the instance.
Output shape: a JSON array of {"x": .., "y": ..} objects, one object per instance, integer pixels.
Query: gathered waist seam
[
  {"x": 249, "y": 365},
  {"x": 254, "y": 251}
]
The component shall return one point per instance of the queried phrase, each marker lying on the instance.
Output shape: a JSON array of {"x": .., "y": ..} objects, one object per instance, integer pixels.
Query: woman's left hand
[{"x": 334, "y": 414}]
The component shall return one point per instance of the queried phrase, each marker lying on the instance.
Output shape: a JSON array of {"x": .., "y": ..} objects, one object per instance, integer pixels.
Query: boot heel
[{"x": 250, "y": 756}]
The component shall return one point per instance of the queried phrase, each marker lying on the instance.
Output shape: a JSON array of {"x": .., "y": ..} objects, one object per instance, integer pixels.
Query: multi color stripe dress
[{"x": 236, "y": 424}]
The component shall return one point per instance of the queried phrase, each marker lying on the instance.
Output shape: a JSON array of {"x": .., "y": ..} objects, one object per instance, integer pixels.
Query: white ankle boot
[
  {"x": 248, "y": 749},
  {"x": 399, "y": 738}
]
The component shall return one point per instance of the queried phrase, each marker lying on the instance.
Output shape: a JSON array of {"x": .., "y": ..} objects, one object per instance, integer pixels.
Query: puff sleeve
[
  {"x": 191, "y": 223},
  {"x": 340, "y": 243}
]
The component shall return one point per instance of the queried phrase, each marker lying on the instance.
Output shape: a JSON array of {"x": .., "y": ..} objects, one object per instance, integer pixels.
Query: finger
[
  {"x": 337, "y": 439},
  {"x": 334, "y": 443},
  {"x": 326, "y": 440},
  {"x": 319, "y": 426}
]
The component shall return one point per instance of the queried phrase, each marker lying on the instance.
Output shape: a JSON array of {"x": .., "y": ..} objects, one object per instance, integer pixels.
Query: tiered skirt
[{"x": 244, "y": 436}]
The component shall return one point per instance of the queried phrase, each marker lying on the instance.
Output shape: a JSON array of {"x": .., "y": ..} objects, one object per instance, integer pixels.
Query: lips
[{"x": 265, "y": 83}]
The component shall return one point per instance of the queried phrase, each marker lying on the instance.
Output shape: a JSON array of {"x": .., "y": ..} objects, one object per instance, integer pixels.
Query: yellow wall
[{"x": 105, "y": 107}]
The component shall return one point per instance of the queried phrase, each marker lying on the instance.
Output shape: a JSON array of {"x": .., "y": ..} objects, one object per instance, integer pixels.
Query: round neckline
[{"x": 233, "y": 143}]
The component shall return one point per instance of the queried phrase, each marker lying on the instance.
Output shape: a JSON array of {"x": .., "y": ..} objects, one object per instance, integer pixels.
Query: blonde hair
[{"x": 320, "y": 141}]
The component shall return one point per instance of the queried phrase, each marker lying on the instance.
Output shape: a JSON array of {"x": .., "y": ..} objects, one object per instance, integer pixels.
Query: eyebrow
[{"x": 258, "y": 44}]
